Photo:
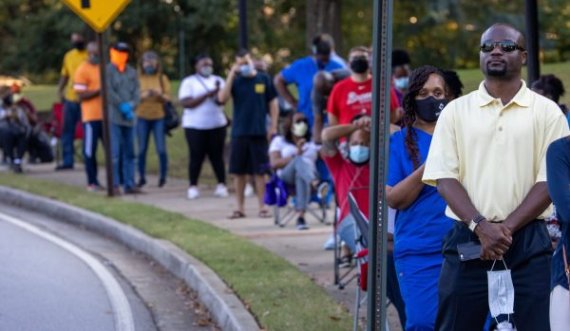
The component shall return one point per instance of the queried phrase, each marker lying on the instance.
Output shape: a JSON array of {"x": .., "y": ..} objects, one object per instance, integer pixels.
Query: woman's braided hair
[{"x": 418, "y": 78}]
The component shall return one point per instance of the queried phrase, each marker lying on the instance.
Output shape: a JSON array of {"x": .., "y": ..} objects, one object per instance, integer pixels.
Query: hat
[{"x": 121, "y": 46}]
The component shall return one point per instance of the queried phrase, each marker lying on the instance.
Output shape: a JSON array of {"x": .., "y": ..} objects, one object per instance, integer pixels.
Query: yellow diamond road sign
[{"x": 97, "y": 13}]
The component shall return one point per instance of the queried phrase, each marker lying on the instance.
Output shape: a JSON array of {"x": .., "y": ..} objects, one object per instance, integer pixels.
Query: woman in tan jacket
[{"x": 155, "y": 91}]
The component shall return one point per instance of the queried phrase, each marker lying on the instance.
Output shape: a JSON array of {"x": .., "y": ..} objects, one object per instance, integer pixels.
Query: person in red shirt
[
  {"x": 349, "y": 168},
  {"x": 352, "y": 96}
]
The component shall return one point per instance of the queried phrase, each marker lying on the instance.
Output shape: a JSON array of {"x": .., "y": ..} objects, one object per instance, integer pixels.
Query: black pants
[
  {"x": 463, "y": 298},
  {"x": 206, "y": 142},
  {"x": 14, "y": 141}
]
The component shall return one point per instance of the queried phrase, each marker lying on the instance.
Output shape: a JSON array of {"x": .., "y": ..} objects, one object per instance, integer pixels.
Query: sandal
[
  {"x": 264, "y": 213},
  {"x": 236, "y": 214}
]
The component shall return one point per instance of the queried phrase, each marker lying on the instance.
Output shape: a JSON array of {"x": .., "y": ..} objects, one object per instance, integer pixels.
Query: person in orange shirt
[{"x": 87, "y": 85}]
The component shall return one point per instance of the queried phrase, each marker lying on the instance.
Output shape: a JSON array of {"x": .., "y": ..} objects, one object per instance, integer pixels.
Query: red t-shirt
[
  {"x": 349, "y": 178},
  {"x": 349, "y": 98}
]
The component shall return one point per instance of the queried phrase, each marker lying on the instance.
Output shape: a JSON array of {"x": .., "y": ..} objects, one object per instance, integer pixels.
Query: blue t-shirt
[
  {"x": 251, "y": 96},
  {"x": 420, "y": 228},
  {"x": 301, "y": 73}
]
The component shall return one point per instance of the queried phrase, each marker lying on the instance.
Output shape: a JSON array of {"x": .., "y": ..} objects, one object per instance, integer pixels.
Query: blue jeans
[
  {"x": 71, "y": 115},
  {"x": 123, "y": 155},
  {"x": 299, "y": 174},
  {"x": 93, "y": 133},
  {"x": 144, "y": 129}
]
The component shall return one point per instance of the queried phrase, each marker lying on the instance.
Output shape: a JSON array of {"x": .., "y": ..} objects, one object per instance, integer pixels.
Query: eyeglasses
[{"x": 507, "y": 46}]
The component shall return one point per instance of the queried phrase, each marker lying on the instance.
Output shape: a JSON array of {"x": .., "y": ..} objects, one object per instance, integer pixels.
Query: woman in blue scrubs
[{"x": 421, "y": 223}]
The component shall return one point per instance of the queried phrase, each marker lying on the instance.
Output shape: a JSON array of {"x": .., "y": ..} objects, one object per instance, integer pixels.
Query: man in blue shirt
[
  {"x": 254, "y": 97},
  {"x": 301, "y": 73}
]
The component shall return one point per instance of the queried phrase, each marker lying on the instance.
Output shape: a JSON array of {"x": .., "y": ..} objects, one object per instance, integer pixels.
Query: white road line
[{"x": 123, "y": 314}]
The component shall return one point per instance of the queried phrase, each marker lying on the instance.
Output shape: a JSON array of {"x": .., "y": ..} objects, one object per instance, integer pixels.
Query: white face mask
[
  {"x": 206, "y": 71},
  {"x": 300, "y": 129},
  {"x": 501, "y": 292}
]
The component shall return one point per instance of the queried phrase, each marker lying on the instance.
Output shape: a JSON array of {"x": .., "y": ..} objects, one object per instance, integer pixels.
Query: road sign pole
[
  {"x": 377, "y": 239},
  {"x": 106, "y": 118}
]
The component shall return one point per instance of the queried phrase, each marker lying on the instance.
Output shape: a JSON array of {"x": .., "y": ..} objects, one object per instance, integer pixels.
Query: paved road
[{"x": 49, "y": 282}]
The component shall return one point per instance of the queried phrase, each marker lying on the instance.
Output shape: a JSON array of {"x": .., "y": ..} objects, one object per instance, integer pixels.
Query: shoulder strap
[
  {"x": 199, "y": 79},
  {"x": 161, "y": 83}
]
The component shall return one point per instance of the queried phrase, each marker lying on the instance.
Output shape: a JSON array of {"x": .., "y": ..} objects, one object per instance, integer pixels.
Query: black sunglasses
[
  {"x": 302, "y": 120},
  {"x": 507, "y": 46}
]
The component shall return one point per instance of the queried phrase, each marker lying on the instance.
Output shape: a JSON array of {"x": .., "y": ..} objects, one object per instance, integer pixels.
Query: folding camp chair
[
  {"x": 283, "y": 202},
  {"x": 362, "y": 227},
  {"x": 54, "y": 127}
]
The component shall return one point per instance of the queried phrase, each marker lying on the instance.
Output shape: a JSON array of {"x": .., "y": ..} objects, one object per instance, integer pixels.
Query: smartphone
[{"x": 469, "y": 251}]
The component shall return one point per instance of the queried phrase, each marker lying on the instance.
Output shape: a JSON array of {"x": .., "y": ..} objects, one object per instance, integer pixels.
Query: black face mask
[
  {"x": 359, "y": 65},
  {"x": 429, "y": 109},
  {"x": 79, "y": 45}
]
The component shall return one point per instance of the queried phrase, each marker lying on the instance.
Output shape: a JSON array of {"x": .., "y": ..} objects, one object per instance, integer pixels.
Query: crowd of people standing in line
[{"x": 470, "y": 178}]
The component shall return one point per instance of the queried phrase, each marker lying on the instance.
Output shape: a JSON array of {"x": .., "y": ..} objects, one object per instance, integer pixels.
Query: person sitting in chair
[{"x": 293, "y": 154}]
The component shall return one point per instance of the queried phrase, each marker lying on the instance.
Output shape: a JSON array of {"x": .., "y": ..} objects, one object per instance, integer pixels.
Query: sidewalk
[{"x": 304, "y": 249}]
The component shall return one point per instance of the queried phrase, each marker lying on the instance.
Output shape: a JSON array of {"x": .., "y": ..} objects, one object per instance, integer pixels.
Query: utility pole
[
  {"x": 532, "y": 40},
  {"x": 377, "y": 238},
  {"x": 242, "y": 8}
]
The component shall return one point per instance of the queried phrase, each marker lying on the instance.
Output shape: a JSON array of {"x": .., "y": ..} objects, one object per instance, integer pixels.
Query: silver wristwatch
[{"x": 475, "y": 221}]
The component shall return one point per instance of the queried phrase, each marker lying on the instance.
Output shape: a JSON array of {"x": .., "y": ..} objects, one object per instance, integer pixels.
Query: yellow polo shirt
[
  {"x": 497, "y": 152},
  {"x": 71, "y": 61}
]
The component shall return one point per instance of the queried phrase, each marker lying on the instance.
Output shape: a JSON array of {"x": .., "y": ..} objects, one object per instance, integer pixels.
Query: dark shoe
[
  {"x": 63, "y": 167},
  {"x": 301, "y": 224},
  {"x": 161, "y": 182},
  {"x": 133, "y": 190},
  {"x": 142, "y": 182}
]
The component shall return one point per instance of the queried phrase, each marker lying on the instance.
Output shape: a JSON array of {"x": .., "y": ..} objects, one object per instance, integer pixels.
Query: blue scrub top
[
  {"x": 301, "y": 73},
  {"x": 420, "y": 228}
]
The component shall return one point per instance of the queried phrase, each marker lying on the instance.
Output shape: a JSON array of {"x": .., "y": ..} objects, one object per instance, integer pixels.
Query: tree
[{"x": 324, "y": 16}]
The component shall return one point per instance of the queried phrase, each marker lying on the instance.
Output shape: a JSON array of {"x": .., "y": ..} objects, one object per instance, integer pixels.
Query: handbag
[{"x": 171, "y": 116}]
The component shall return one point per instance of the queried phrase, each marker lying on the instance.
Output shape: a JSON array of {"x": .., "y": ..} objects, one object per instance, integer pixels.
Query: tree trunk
[{"x": 323, "y": 16}]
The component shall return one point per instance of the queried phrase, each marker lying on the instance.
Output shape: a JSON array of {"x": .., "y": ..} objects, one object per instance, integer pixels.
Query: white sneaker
[
  {"x": 193, "y": 193},
  {"x": 221, "y": 191},
  {"x": 248, "y": 191}
]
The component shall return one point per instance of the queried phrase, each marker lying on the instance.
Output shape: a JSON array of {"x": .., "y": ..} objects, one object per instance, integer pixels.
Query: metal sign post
[
  {"x": 532, "y": 40},
  {"x": 382, "y": 53},
  {"x": 106, "y": 118},
  {"x": 99, "y": 14}
]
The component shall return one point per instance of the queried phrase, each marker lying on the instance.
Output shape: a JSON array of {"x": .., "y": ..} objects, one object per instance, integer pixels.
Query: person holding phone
[
  {"x": 205, "y": 124},
  {"x": 155, "y": 91}
]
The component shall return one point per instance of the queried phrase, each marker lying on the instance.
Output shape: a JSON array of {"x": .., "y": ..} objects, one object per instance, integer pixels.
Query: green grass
[
  {"x": 44, "y": 95},
  {"x": 278, "y": 294}
]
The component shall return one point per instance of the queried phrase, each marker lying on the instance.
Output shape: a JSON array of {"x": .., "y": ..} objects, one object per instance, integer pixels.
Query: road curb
[{"x": 224, "y": 306}]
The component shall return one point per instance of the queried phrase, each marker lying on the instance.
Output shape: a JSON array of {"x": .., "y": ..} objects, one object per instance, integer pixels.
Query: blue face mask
[
  {"x": 402, "y": 83},
  {"x": 359, "y": 154},
  {"x": 149, "y": 70}
]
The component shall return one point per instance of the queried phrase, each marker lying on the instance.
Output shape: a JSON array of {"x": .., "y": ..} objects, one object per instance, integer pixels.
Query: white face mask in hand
[{"x": 501, "y": 294}]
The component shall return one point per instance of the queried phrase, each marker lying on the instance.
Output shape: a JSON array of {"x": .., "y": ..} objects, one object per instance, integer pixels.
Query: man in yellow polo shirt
[
  {"x": 487, "y": 158},
  {"x": 67, "y": 95},
  {"x": 87, "y": 84}
]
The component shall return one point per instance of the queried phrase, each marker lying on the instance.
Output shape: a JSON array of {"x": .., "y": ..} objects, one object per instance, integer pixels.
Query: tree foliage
[{"x": 34, "y": 34}]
